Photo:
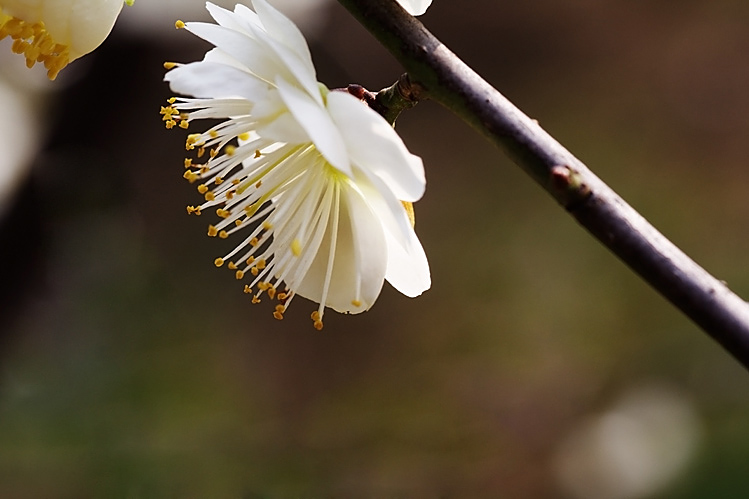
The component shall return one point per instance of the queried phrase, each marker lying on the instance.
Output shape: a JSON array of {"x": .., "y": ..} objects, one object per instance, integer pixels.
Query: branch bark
[{"x": 436, "y": 73}]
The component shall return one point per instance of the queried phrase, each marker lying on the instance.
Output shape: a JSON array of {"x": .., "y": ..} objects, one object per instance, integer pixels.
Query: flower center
[{"x": 35, "y": 43}]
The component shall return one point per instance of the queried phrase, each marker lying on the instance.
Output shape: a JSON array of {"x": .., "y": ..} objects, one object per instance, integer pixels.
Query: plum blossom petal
[
  {"x": 318, "y": 123},
  {"x": 215, "y": 80},
  {"x": 371, "y": 141},
  {"x": 408, "y": 268}
]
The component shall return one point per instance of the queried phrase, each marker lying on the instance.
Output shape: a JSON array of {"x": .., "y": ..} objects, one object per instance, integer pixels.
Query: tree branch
[{"x": 437, "y": 73}]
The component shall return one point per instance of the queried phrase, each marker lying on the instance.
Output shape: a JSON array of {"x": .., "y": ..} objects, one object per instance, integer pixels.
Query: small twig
[
  {"x": 390, "y": 102},
  {"x": 442, "y": 76}
]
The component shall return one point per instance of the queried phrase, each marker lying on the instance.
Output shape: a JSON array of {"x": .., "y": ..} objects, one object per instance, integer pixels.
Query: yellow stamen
[
  {"x": 35, "y": 43},
  {"x": 296, "y": 247},
  {"x": 410, "y": 212},
  {"x": 191, "y": 176}
]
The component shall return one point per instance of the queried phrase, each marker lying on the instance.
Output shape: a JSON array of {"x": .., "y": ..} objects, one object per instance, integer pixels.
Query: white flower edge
[
  {"x": 415, "y": 7},
  {"x": 56, "y": 32}
]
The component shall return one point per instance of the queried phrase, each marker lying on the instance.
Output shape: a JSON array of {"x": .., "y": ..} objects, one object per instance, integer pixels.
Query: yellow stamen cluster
[
  {"x": 35, "y": 43},
  {"x": 213, "y": 188},
  {"x": 254, "y": 267},
  {"x": 171, "y": 117}
]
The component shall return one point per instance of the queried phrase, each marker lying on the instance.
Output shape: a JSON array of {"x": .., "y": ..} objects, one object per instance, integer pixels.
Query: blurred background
[{"x": 537, "y": 366}]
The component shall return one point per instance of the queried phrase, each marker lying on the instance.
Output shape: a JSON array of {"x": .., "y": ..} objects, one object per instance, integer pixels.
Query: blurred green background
[{"x": 537, "y": 366}]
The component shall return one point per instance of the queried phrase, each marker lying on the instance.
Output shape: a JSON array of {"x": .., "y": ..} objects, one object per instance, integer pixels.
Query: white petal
[
  {"x": 247, "y": 15},
  {"x": 317, "y": 123},
  {"x": 247, "y": 51},
  {"x": 408, "y": 268},
  {"x": 282, "y": 29},
  {"x": 295, "y": 70},
  {"x": 415, "y": 7},
  {"x": 275, "y": 122},
  {"x": 215, "y": 80},
  {"x": 91, "y": 22},
  {"x": 219, "y": 56},
  {"x": 224, "y": 17},
  {"x": 290, "y": 49},
  {"x": 373, "y": 145},
  {"x": 359, "y": 262},
  {"x": 283, "y": 128}
]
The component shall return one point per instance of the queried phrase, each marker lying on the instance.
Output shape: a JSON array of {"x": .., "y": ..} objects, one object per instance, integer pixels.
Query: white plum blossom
[
  {"x": 415, "y": 7},
  {"x": 56, "y": 32},
  {"x": 313, "y": 181}
]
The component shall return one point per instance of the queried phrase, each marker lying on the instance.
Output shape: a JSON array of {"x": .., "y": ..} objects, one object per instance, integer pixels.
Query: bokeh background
[{"x": 537, "y": 366}]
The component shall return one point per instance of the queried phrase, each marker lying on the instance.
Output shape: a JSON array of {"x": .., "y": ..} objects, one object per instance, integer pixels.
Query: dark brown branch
[{"x": 442, "y": 76}]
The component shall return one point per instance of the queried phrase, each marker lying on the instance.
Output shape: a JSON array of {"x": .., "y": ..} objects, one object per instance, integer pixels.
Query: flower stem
[
  {"x": 393, "y": 100},
  {"x": 440, "y": 75}
]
